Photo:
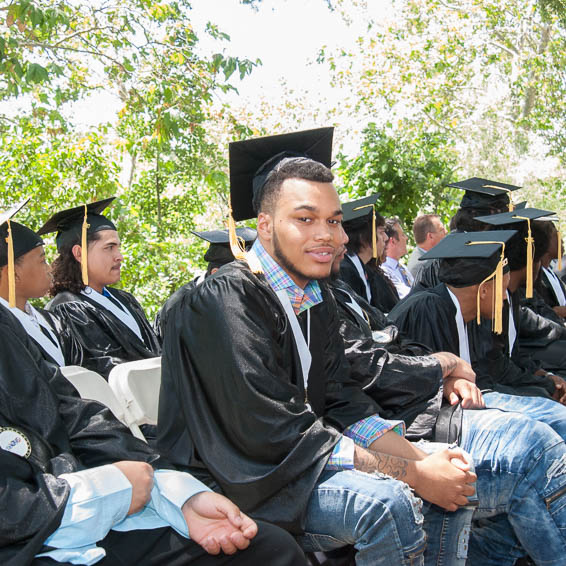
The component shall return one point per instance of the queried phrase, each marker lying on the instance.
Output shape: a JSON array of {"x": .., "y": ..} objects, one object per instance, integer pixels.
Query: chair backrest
[
  {"x": 136, "y": 385},
  {"x": 91, "y": 385}
]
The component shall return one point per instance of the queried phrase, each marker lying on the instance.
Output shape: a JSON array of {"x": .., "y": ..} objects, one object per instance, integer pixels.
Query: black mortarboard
[
  {"x": 358, "y": 209},
  {"x": 24, "y": 239},
  {"x": 15, "y": 241},
  {"x": 252, "y": 161},
  {"x": 69, "y": 223},
  {"x": 472, "y": 258},
  {"x": 510, "y": 218},
  {"x": 484, "y": 194},
  {"x": 358, "y": 212},
  {"x": 219, "y": 250}
]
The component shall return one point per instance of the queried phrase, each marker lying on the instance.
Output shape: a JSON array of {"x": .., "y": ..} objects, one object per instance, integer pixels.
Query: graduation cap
[
  {"x": 253, "y": 161},
  {"x": 357, "y": 213},
  {"x": 15, "y": 241},
  {"x": 78, "y": 221},
  {"x": 472, "y": 258},
  {"x": 510, "y": 218},
  {"x": 219, "y": 250},
  {"x": 483, "y": 193}
]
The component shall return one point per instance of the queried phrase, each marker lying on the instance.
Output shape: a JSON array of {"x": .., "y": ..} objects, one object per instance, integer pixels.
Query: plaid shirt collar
[{"x": 278, "y": 278}]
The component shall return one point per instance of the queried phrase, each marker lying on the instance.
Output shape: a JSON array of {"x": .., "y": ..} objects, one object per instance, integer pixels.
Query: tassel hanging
[
  {"x": 238, "y": 249},
  {"x": 84, "y": 246},
  {"x": 559, "y": 236},
  {"x": 11, "y": 269}
]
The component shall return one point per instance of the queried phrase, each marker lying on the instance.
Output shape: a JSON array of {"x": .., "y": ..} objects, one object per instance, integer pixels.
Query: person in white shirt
[{"x": 395, "y": 249}]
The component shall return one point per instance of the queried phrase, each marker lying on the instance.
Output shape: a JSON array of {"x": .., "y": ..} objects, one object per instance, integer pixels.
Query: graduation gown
[
  {"x": 104, "y": 339},
  {"x": 403, "y": 380},
  {"x": 429, "y": 316},
  {"x": 232, "y": 397},
  {"x": 66, "y": 434},
  {"x": 70, "y": 345},
  {"x": 427, "y": 276},
  {"x": 545, "y": 290}
]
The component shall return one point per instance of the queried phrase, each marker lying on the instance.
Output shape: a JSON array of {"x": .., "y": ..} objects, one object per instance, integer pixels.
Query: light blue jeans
[
  {"x": 539, "y": 408},
  {"x": 382, "y": 518},
  {"x": 521, "y": 468}
]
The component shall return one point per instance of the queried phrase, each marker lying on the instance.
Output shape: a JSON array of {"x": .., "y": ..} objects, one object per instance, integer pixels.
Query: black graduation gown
[
  {"x": 400, "y": 376},
  {"x": 66, "y": 433},
  {"x": 70, "y": 346},
  {"x": 232, "y": 394},
  {"x": 429, "y": 316},
  {"x": 545, "y": 290},
  {"x": 427, "y": 276},
  {"x": 104, "y": 339},
  {"x": 384, "y": 296}
]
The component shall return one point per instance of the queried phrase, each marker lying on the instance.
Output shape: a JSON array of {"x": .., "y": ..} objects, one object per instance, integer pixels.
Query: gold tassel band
[
  {"x": 508, "y": 191},
  {"x": 238, "y": 249},
  {"x": 11, "y": 269},
  {"x": 530, "y": 257}
]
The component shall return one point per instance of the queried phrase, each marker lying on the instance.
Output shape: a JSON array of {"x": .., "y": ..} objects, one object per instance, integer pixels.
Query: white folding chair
[
  {"x": 136, "y": 385},
  {"x": 92, "y": 385}
]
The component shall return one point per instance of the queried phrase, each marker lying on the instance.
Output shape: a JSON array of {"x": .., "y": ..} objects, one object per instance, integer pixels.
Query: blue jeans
[
  {"x": 382, "y": 518},
  {"x": 539, "y": 408},
  {"x": 521, "y": 468}
]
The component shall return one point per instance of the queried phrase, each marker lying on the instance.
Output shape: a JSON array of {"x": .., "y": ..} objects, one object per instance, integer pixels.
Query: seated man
[
  {"x": 502, "y": 443},
  {"x": 254, "y": 365},
  {"x": 217, "y": 255},
  {"x": 77, "y": 488},
  {"x": 108, "y": 323},
  {"x": 428, "y": 230},
  {"x": 32, "y": 279},
  {"x": 395, "y": 249},
  {"x": 360, "y": 268}
]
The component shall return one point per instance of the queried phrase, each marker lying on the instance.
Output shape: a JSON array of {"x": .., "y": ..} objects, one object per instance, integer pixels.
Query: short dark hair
[
  {"x": 422, "y": 226},
  {"x": 307, "y": 169},
  {"x": 390, "y": 229},
  {"x": 360, "y": 233},
  {"x": 463, "y": 220},
  {"x": 66, "y": 270}
]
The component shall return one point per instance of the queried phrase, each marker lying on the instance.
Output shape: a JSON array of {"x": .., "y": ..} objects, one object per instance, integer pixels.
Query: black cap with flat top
[
  {"x": 69, "y": 223},
  {"x": 483, "y": 193},
  {"x": 24, "y": 239},
  {"x": 252, "y": 162},
  {"x": 219, "y": 250},
  {"x": 520, "y": 215},
  {"x": 358, "y": 209},
  {"x": 468, "y": 257}
]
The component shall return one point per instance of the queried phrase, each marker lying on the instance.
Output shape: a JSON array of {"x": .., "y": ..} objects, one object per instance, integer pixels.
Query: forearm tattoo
[
  {"x": 448, "y": 362},
  {"x": 369, "y": 461}
]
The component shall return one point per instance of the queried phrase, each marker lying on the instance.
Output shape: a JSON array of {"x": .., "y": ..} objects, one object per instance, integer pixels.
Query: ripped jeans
[
  {"x": 521, "y": 468},
  {"x": 382, "y": 518}
]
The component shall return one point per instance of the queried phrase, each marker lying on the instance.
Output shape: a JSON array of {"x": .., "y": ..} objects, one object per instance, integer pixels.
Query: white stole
[
  {"x": 462, "y": 330},
  {"x": 32, "y": 321},
  {"x": 512, "y": 330},
  {"x": 556, "y": 287},
  {"x": 122, "y": 314},
  {"x": 358, "y": 263}
]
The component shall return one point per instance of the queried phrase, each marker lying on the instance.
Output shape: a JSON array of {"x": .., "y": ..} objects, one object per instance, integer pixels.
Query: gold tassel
[
  {"x": 238, "y": 249},
  {"x": 530, "y": 257},
  {"x": 84, "y": 246},
  {"x": 11, "y": 269},
  {"x": 374, "y": 236},
  {"x": 508, "y": 191},
  {"x": 559, "y": 235},
  {"x": 497, "y": 275}
]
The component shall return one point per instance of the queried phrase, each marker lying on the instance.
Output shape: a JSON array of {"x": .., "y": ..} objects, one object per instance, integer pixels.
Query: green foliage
[
  {"x": 54, "y": 52},
  {"x": 410, "y": 171}
]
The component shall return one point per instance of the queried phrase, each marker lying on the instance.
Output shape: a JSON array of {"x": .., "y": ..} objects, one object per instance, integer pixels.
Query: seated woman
[
  {"x": 109, "y": 324},
  {"x": 30, "y": 277}
]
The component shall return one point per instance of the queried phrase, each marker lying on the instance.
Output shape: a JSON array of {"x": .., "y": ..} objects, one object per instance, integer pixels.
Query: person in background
[
  {"x": 109, "y": 324},
  {"x": 32, "y": 279},
  {"x": 395, "y": 249},
  {"x": 428, "y": 230}
]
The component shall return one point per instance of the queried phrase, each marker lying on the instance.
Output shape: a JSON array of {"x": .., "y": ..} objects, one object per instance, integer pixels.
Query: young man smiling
[{"x": 253, "y": 364}]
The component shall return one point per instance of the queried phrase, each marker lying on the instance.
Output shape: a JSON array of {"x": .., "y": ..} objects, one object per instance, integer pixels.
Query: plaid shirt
[
  {"x": 278, "y": 278},
  {"x": 362, "y": 433}
]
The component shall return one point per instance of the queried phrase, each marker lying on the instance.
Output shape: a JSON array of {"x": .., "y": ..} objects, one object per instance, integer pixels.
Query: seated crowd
[{"x": 316, "y": 393}]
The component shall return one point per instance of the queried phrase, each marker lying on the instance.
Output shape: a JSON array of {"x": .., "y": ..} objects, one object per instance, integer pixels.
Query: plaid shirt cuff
[
  {"x": 364, "y": 432},
  {"x": 342, "y": 457}
]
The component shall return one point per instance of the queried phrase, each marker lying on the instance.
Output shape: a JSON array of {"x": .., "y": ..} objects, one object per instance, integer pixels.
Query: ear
[
  {"x": 265, "y": 226},
  {"x": 213, "y": 270},
  {"x": 77, "y": 252}
]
